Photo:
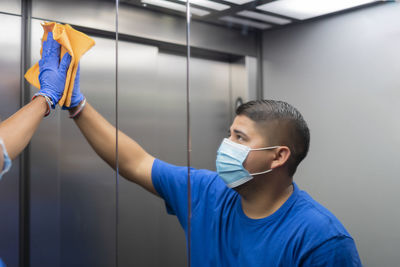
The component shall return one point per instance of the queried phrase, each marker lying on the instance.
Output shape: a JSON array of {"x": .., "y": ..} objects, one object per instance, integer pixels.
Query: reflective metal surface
[
  {"x": 87, "y": 183},
  {"x": 11, "y": 6},
  {"x": 152, "y": 111},
  {"x": 145, "y": 23},
  {"x": 72, "y": 197},
  {"x": 45, "y": 180},
  {"x": 211, "y": 117},
  {"x": 10, "y": 54},
  {"x": 72, "y": 189}
]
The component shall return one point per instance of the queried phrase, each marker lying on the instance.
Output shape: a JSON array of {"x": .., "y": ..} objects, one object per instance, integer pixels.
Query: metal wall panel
[
  {"x": 251, "y": 78},
  {"x": 144, "y": 23},
  {"x": 10, "y": 54},
  {"x": 11, "y": 6},
  {"x": 342, "y": 73},
  {"x": 210, "y": 84},
  {"x": 88, "y": 184},
  {"x": 44, "y": 180},
  {"x": 152, "y": 112},
  {"x": 72, "y": 189}
]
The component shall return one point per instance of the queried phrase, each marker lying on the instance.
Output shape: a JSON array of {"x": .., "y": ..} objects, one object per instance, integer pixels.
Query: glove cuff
[
  {"x": 78, "y": 110},
  {"x": 75, "y": 101}
]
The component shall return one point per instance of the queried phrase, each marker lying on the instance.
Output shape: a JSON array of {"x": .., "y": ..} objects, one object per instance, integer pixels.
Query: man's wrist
[
  {"x": 45, "y": 100},
  {"x": 74, "y": 109},
  {"x": 74, "y": 112}
]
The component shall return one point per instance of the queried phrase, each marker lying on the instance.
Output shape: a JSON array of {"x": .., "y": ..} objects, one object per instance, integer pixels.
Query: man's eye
[{"x": 238, "y": 137}]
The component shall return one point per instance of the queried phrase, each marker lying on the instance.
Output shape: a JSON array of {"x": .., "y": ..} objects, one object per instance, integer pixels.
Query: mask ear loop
[
  {"x": 259, "y": 149},
  {"x": 263, "y": 148},
  {"x": 258, "y": 173}
]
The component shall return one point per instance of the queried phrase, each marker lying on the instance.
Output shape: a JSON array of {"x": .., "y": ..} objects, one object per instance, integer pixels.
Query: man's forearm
[
  {"x": 98, "y": 132},
  {"x": 134, "y": 162},
  {"x": 18, "y": 129}
]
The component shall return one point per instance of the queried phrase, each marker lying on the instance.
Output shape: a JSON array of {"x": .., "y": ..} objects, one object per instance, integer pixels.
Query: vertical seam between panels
[
  {"x": 116, "y": 136},
  {"x": 24, "y": 171},
  {"x": 189, "y": 143}
]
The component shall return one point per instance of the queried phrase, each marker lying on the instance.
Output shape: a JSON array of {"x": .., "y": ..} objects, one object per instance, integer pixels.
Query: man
[
  {"x": 265, "y": 220},
  {"x": 250, "y": 212}
]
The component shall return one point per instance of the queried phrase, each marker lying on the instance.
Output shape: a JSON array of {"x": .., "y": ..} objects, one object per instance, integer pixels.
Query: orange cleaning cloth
[{"x": 71, "y": 41}]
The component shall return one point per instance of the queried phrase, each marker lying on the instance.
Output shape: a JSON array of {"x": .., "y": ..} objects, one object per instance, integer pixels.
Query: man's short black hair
[{"x": 296, "y": 133}]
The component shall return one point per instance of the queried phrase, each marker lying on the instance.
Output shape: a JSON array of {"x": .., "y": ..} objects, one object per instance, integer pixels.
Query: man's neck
[{"x": 263, "y": 196}]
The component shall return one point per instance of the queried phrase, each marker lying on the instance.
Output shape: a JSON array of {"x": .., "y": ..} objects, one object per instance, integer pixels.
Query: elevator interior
[{"x": 61, "y": 205}]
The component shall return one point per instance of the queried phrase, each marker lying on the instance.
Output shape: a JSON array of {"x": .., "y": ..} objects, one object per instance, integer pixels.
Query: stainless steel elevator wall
[
  {"x": 11, "y": 6},
  {"x": 210, "y": 109},
  {"x": 151, "y": 111},
  {"x": 72, "y": 189},
  {"x": 142, "y": 22},
  {"x": 10, "y": 55}
]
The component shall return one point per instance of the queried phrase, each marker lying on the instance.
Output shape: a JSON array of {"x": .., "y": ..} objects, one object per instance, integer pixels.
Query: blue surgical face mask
[
  {"x": 230, "y": 158},
  {"x": 7, "y": 161}
]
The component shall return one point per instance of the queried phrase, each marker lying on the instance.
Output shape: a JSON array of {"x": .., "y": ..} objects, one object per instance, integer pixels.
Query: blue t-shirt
[{"x": 300, "y": 233}]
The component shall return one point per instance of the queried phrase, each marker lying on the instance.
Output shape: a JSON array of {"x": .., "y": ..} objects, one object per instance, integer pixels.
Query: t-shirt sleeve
[
  {"x": 170, "y": 182},
  {"x": 337, "y": 251}
]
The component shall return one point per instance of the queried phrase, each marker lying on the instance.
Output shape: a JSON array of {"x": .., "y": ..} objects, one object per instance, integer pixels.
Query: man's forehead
[{"x": 244, "y": 124}]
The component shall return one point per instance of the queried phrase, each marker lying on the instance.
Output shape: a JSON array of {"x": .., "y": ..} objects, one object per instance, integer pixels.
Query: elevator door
[
  {"x": 152, "y": 110},
  {"x": 74, "y": 193}
]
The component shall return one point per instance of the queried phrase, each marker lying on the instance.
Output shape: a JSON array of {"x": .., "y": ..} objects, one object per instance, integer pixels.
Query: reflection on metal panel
[
  {"x": 152, "y": 111},
  {"x": 171, "y": 131},
  {"x": 251, "y": 77},
  {"x": 87, "y": 187},
  {"x": 98, "y": 14},
  {"x": 11, "y": 6},
  {"x": 72, "y": 189},
  {"x": 44, "y": 183},
  {"x": 210, "y": 108},
  {"x": 10, "y": 50},
  {"x": 239, "y": 85}
]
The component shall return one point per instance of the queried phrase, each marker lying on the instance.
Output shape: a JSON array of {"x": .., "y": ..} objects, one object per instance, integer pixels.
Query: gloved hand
[
  {"x": 77, "y": 96},
  {"x": 52, "y": 73}
]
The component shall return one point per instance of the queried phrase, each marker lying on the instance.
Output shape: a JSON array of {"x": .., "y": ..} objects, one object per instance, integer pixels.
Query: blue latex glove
[
  {"x": 77, "y": 96},
  {"x": 52, "y": 73}
]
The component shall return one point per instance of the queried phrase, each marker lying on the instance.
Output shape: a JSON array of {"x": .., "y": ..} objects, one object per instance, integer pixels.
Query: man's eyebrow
[{"x": 239, "y": 132}]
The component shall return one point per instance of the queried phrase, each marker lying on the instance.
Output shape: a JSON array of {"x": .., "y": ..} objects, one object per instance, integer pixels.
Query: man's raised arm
[{"x": 135, "y": 163}]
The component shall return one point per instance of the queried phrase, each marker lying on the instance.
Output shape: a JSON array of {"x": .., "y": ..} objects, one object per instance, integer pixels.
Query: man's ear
[{"x": 281, "y": 156}]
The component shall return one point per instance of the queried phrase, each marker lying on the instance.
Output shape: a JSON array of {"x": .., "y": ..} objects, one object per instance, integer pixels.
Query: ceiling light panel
[
  {"x": 305, "y": 9},
  {"x": 263, "y": 17},
  {"x": 209, "y": 4},
  {"x": 246, "y": 22},
  {"x": 176, "y": 7},
  {"x": 239, "y": 2}
]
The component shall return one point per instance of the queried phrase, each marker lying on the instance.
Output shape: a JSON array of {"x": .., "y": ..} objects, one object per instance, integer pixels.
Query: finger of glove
[
  {"x": 77, "y": 77},
  {"x": 50, "y": 51},
  {"x": 64, "y": 64},
  {"x": 77, "y": 96}
]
